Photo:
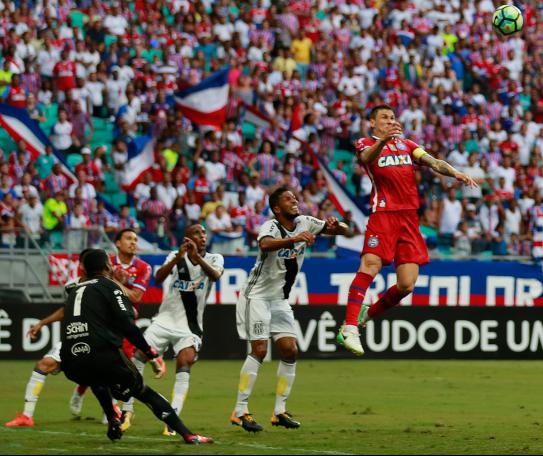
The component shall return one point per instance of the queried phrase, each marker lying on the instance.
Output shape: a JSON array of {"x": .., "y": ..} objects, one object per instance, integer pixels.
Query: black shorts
[{"x": 109, "y": 368}]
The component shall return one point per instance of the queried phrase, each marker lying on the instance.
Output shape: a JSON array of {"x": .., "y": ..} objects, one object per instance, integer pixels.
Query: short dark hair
[
  {"x": 120, "y": 234},
  {"x": 381, "y": 107},
  {"x": 274, "y": 197},
  {"x": 83, "y": 254},
  {"x": 95, "y": 261}
]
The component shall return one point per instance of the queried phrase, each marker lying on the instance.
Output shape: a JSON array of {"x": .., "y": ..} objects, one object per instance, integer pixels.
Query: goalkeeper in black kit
[{"x": 97, "y": 316}]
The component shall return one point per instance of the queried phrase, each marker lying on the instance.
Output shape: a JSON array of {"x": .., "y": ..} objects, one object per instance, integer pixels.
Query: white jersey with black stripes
[
  {"x": 274, "y": 273},
  {"x": 185, "y": 294}
]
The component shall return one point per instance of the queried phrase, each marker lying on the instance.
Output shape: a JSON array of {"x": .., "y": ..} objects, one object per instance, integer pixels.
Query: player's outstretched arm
[
  {"x": 444, "y": 168},
  {"x": 270, "y": 244},
  {"x": 34, "y": 330},
  {"x": 334, "y": 227}
]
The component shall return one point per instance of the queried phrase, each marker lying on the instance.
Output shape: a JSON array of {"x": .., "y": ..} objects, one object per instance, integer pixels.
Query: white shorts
[
  {"x": 160, "y": 338},
  {"x": 54, "y": 354},
  {"x": 258, "y": 319}
]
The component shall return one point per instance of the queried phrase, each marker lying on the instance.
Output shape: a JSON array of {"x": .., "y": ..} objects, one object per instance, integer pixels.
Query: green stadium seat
[
  {"x": 73, "y": 160},
  {"x": 110, "y": 184},
  {"x": 78, "y": 18},
  {"x": 118, "y": 199},
  {"x": 56, "y": 240},
  {"x": 110, "y": 39},
  {"x": 248, "y": 130}
]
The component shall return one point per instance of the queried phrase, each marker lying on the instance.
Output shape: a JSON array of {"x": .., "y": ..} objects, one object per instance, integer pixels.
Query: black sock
[
  {"x": 162, "y": 410},
  {"x": 103, "y": 395}
]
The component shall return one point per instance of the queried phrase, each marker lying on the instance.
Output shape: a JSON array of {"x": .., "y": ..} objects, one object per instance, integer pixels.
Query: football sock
[
  {"x": 81, "y": 389},
  {"x": 180, "y": 389},
  {"x": 33, "y": 390},
  {"x": 103, "y": 394},
  {"x": 357, "y": 293},
  {"x": 286, "y": 373},
  {"x": 391, "y": 298},
  {"x": 128, "y": 406},
  {"x": 162, "y": 410},
  {"x": 247, "y": 379}
]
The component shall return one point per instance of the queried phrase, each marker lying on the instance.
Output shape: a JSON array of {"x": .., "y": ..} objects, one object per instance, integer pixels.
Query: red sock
[
  {"x": 81, "y": 389},
  {"x": 391, "y": 298},
  {"x": 357, "y": 293}
]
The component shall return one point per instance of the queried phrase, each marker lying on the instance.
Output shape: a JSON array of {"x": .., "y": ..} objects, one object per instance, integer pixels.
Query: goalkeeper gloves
[{"x": 157, "y": 363}]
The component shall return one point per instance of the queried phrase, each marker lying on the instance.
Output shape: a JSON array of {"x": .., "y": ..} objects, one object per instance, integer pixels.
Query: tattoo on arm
[{"x": 439, "y": 166}]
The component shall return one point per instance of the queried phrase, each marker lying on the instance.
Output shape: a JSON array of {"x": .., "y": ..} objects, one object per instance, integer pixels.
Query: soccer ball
[{"x": 507, "y": 19}]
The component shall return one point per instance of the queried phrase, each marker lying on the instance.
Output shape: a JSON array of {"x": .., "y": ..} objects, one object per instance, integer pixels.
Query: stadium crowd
[{"x": 315, "y": 69}]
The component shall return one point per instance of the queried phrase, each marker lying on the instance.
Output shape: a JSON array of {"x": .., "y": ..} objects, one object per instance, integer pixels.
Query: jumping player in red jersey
[
  {"x": 134, "y": 274},
  {"x": 392, "y": 233}
]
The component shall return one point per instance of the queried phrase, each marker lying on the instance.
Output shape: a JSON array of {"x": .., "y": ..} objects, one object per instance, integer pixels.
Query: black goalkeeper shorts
[{"x": 109, "y": 368}]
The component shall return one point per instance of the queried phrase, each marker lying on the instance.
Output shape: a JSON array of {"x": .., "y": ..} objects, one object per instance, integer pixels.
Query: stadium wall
[
  {"x": 325, "y": 281},
  {"x": 460, "y": 309},
  {"x": 405, "y": 333}
]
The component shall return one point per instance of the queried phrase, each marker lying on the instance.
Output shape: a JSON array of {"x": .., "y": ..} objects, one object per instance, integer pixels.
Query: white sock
[
  {"x": 32, "y": 393},
  {"x": 350, "y": 329},
  {"x": 128, "y": 406},
  {"x": 286, "y": 373},
  {"x": 180, "y": 390},
  {"x": 247, "y": 379}
]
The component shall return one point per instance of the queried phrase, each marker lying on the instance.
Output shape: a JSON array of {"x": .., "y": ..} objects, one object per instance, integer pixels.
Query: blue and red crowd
[{"x": 316, "y": 69}]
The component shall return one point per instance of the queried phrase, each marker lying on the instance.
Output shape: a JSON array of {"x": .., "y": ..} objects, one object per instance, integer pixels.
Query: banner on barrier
[
  {"x": 403, "y": 333},
  {"x": 326, "y": 282}
]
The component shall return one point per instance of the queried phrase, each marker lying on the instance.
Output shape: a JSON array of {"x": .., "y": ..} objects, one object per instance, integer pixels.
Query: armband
[{"x": 419, "y": 152}]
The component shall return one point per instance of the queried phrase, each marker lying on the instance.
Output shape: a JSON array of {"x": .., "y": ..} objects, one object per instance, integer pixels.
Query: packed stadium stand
[{"x": 97, "y": 76}]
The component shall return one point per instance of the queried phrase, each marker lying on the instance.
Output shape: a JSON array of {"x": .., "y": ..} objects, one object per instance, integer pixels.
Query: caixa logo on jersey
[
  {"x": 290, "y": 253},
  {"x": 81, "y": 348},
  {"x": 394, "y": 160},
  {"x": 188, "y": 285}
]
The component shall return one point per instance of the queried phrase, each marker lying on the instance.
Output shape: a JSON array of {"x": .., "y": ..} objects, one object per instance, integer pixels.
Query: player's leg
[
  {"x": 49, "y": 364},
  {"x": 349, "y": 335},
  {"x": 185, "y": 359},
  {"x": 156, "y": 338},
  {"x": 379, "y": 247},
  {"x": 370, "y": 265},
  {"x": 76, "y": 401},
  {"x": 103, "y": 394},
  {"x": 410, "y": 252},
  {"x": 247, "y": 379},
  {"x": 286, "y": 374},
  {"x": 253, "y": 323},
  {"x": 407, "y": 275},
  {"x": 125, "y": 381}
]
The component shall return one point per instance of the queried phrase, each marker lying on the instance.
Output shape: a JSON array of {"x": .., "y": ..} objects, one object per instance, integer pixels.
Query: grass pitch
[{"x": 346, "y": 407}]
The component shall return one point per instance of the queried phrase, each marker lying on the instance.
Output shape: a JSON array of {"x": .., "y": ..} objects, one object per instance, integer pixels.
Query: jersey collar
[{"x": 118, "y": 261}]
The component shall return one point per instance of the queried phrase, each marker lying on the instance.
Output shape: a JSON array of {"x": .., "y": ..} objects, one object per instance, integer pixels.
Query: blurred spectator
[
  {"x": 219, "y": 222},
  {"x": 62, "y": 134},
  {"x": 124, "y": 220},
  {"x": 254, "y": 191},
  {"x": 30, "y": 217},
  {"x": 489, "y": 216},
  {"x": 152, "y": 214},
  {"x": 166, "y": 192},
  {"x": 178, "y": 221},
  {"x": 54, "y": 213},
  {"x": 143, "y": 190},
  {"x": 88, "y": 191},
  {"x": 93, "y": 174}
]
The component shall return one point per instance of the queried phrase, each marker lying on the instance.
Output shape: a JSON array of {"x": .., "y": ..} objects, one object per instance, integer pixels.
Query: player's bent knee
[
  {"x": 406, "y": 288},
  {"x": 371, "y": 264},
  {"x": 47, "y": 365},
  {"x": 259, "y": 351}
]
